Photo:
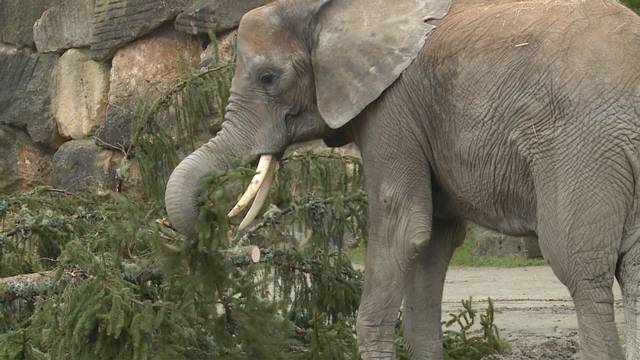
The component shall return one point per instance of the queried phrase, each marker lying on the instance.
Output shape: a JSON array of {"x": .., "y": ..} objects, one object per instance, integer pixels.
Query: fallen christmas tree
[{"x": 118, "y": 283}]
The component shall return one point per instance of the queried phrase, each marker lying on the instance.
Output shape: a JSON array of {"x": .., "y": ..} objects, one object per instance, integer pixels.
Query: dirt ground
[{"x": 534, "y": 311}]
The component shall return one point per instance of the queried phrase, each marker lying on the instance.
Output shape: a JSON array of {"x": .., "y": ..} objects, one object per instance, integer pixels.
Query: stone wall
[{"x": 73, "y": 71}]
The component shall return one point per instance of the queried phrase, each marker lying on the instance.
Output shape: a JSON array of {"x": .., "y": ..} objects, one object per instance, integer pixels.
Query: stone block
[
  {"x": 66, "y": 25},
  {"x": 532, "y": 248},
  {"x": 140, "y": 73},
  {"x": 491, "y": 243},
  {"x": 23, "y": 163},
  {"x": 128, "y": 174},
  {"x": 118, "y": 22},
  {"x": 225, "y": 46},
  {"x": 26, "y": 85},
  {"x": 80, "y": 165},
  {"x": 214, "y": 16},
  {"x": 17, "y": 18},
  {"x": 82, "y": 88}
]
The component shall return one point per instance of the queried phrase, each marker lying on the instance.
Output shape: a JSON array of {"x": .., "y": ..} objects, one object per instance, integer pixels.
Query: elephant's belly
[
  {"x": 511, "y": 225},
  {"x": 500, "y": 219},
  {"x": 500, "y": 198}
]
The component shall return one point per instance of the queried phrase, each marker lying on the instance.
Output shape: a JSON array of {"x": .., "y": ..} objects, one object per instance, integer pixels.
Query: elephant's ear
[{"x": 362, "y": 46}]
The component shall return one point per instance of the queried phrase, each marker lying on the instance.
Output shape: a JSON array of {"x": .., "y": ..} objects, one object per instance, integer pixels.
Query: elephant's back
[
  {"x": 573, "y": 36},
  {"x": 543, "y": 61}
]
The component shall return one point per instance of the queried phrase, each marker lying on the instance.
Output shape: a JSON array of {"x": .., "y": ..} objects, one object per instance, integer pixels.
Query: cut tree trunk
[
  {"x": 25, "y": 286},
  {"x": 28, "y": 286}
]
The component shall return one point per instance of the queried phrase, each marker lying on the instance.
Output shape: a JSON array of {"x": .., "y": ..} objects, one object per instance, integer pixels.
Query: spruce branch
[
  {"x": 8, "y": 234},
  {"x": 166, "y": 99},
  {"x": 59, "y": 191}
]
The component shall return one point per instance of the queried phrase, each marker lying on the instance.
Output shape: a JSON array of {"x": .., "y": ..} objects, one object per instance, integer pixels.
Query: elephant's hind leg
[
  {"x": 423, "y": 290},
  {"x": 580, "y": 231},
  {"x": 629, "y": 279}
]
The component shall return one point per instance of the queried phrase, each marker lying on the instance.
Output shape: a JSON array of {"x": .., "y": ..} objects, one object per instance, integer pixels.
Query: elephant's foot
[
  {"x": 376, "y": 341},
  {"x": 423, "y": 291},
  {"x": 629, "y": 279},
  {"x": 427, "y": 350},
  {"x": 632, "y": 328},
  {"x": 598, "y": 337},
  {"x": 592, "y": 292}
]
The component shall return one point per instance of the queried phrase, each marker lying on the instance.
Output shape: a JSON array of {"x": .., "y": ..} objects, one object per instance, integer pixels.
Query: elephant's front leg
[
  {"x": 399, "y": 228},
  {"x": 423, "y": 291}
]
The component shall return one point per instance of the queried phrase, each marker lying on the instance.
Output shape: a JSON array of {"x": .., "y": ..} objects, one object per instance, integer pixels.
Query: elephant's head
[{"x": 304, "y": 68}]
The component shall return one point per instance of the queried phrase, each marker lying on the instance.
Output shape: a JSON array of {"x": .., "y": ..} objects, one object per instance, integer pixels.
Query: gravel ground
[
  {"x": 559, "y": 348},
  {"x": 533, "y": 310}
]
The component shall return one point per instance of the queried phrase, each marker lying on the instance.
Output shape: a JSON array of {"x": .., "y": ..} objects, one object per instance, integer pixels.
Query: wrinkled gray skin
[{"x": 523, "y": 117}]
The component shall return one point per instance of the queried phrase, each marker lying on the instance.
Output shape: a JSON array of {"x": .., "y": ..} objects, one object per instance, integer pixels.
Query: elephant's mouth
[{"x": 257, "y": 191}]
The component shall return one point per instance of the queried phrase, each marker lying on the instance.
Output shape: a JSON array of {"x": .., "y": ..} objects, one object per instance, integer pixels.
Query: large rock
[
  {"x": 492, "y": 243},
  {"x": 23, "y": 163},
  {"x": 26, "y": 82},
  {"x": 222, "y": 51},
  {"x": 128, "y": 174},
  {"x": 17, "y": 18},
  {"x": 140, "y": 73},
  {"x": 214, "y": 16},
  {"x": 80, "y": 165},
  {"x": 82, "y": 88},
  {"x": 117, "y": 22},
  {"x": 64, "y": 26}
]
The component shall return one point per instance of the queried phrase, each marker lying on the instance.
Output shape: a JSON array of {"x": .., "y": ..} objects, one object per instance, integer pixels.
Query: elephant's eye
[{"x": 267, "y": 78}]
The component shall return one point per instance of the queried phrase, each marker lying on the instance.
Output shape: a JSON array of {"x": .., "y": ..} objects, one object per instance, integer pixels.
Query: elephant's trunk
[{"x": 183, "y": 187}]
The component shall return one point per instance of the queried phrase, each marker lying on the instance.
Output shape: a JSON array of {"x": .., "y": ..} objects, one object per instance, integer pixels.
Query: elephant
[{"x": 521, "y": 116}]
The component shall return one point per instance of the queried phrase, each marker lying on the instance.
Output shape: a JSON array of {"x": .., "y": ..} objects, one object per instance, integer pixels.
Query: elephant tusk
[
  {"x": 254, "y": 186},
  {"x": 261, "y": 197}
]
